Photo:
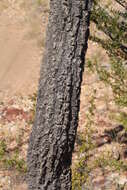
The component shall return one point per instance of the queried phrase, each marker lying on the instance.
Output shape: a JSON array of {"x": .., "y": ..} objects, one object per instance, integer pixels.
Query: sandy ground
[{"x": 20, "y": 57}]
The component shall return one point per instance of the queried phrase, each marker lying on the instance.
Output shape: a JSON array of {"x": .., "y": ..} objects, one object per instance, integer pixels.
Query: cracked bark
[{"x": 54, "y": 130}]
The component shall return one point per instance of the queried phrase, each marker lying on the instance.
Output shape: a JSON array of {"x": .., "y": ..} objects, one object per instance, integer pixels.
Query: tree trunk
[{"x": 54, "y": 131}]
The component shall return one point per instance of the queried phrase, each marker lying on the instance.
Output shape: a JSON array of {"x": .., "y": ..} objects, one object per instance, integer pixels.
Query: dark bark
[{"x": 53, "y": 134}]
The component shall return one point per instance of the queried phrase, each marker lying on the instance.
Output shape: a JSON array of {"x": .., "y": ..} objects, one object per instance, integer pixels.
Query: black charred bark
[{"x": 53, "y": 134}]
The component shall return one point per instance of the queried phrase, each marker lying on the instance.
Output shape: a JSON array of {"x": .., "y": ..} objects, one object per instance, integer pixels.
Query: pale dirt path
[{"x": 20, "y": 59}]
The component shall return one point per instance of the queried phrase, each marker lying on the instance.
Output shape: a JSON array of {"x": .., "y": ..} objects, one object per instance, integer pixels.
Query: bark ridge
[{"x": 54, "y": 130}]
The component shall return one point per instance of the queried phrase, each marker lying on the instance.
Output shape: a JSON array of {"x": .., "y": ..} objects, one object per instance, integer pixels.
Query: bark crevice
[{"x": 53, "y": 134}]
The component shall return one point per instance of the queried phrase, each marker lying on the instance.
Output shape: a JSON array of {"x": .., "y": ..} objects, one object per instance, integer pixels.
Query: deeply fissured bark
[{"x": 54, "y": 131}]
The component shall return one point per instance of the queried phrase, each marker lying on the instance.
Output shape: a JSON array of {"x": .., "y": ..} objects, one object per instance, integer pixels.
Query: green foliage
[
  {"x": 107, "y": 160},
  {"x": 112, "y": 24},
  {"x": 115, "y": 76},
  {"x": 80, "y": 174},
  {"x": 14, "y": 162},
  {"x": 111, "y": 34},
  {"x": 84, "y": 167},
  {"x": 2, "y": 149},
  {"x": 122, "y": 118},
  {"x": 11, "y": 160}
]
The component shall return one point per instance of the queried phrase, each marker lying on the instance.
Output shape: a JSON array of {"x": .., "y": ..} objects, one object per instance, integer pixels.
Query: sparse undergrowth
[
  {"x": 81, "y": 170},
  {"x": 109, "y": 31},
  {"x": 86, "y": 162},
  {"x": 11, "y": 160},
  {"x": 17, "y": 120},
  {"x": 91, "y": 156}
]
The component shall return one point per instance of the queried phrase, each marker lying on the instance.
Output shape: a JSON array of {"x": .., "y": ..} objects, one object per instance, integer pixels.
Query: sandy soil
[
  {"x": 21, "y": 31},
  {"x": 20, "y": 56}
]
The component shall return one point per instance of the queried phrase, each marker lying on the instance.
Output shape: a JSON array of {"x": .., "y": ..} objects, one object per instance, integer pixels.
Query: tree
[{"x": 54, "y": 130}]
